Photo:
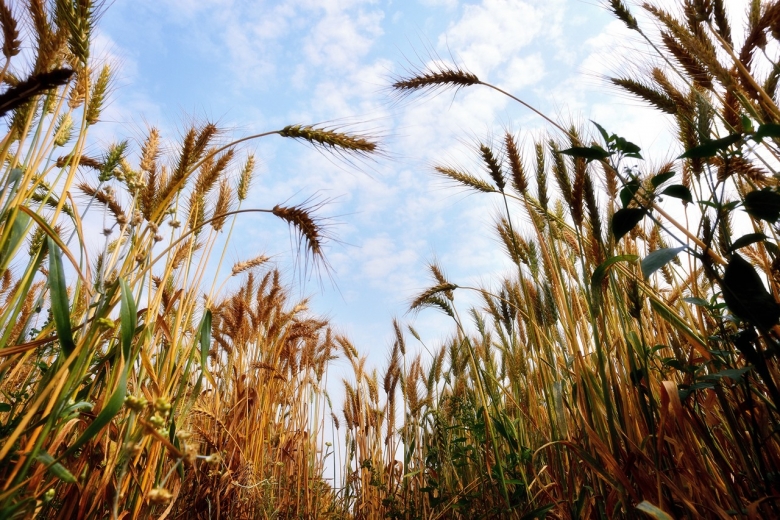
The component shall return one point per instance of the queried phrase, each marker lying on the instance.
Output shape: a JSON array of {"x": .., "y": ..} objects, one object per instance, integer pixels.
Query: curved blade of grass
[
  {"x": 128, "y": 317},
  {"x": 60, "y": 308},
  {"x": 654, "y": 511},
  {"x": 55, "y": 468},
  {"x": 657, "y": 259},
  {"x": 15, "y": 237},
  {"x": 54, "y": 236},
  {"x": 127, "y": 314},
  {"x": 204, "y": 334}
]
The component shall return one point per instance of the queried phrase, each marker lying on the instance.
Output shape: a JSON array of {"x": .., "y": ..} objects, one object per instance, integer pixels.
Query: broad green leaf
[
  {"x": 56, "y": 469},
  {"x": 5, "y": 407},
  {"x": 661, "y": 178},
  {"x": 747, "y": 124},
  {"x": 746, "y": 240},
  {"x": 601, "y": 271},
  {"x": 768, "y": 130},
  {"x": 711, "y": 148},
  {"x": 603, "y": 132},
  {"x": 733, "y": 373},
  {"x": 60, "y": 307},
  {"x": 654, "y": 511},
  {"x": 109, "y": 411},
  {"x": 657, "y": 259},
  {"x": 15, "y": 238},
  {"x": 628, "y": 192},
  {"x": 205, "y": 344},
  {"x": 590, "y": 153},
  {"x": 625, "y": 219},
  {"x": 678, "y": 191},
  {"x": 128, "y": 317},
  {"x": 763, "y": 204},
  {"x": 628, "y": 148},
  {"x": 746, "y": 296}
]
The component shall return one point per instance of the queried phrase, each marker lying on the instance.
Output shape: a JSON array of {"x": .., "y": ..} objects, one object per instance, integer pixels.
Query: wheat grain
[{"x": 330, "y": 138}]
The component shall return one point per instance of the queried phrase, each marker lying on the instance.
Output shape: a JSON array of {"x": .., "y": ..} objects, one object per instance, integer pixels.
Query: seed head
[{"x": 330, "y": 138}]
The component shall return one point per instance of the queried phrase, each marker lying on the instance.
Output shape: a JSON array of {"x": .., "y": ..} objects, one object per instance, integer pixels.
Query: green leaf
[
  {"x": 628, "y": 192},
  {"x": 15, "y": 238},
  {"x": 746, "y": 296},
  {"x": 746, "y": 240},
  {"x": 60, "y": 307},
  {"x": 654, "y": 511},
  {"x": 696, "y": 301},
  {"x": 603, "y": 132},
  {"x": 590, "y": 153},
  {"x": 5, "y": 407},
  {"x": 678, "y": 191},
  {"x": 601, "y": 271},
  {"x": 56, "y": 469},
  {"x": 625, "y": 219},
  {"x": 628, "y": 148},
  {"x": 539, "y": 513},
  {"x": 763, "y": 204},
  {"x": 657, "y": 259},
  {"x": 109, "y": 411},
  {"x": 768, "y": 130},
  {"x": 732, "y": 373},
  {"x": 747, "y": 124},
  {"x": 657, "y": 180},
  {"x": 711, "y": 148},
  {"x": 128, "y": 318},
  {"x": 205, "y": 344}
]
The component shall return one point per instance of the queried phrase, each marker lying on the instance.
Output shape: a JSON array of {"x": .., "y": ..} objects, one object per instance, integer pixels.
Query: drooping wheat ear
[
  {"x": 246, "y": 265},
  {"x": 649, "y": 94},
  {"x": 330, "y": 138},
  {"x": 624, "y": 15},
  {"x": 431, "y": 296},
  {"x": 694, "y": 69},
  {"x": 308, "y": 229},
  {"x": 438, "y": 275},
  {"x": 84, "y": 160},
  {"x": 98, "y": 95},
  {"x": 107, "y": 199},
  {"x": 493, "y": 167},
  {"x": 464, "y": 178},
  {"x": 682, "y": 104},
  {"x": 11, "y": 42},
  {"x": 759, "y": 22},
  {"x": 697, "y": 45},
  {"x": 223, "y": 205},
  {"x": 245, "y": 179},
  {"x": 436, "y": 79},
  {"x": 519, "y": 179}
]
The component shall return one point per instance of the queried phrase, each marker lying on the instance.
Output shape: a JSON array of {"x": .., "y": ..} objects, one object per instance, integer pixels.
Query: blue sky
[{"x": 254, "y": 66}]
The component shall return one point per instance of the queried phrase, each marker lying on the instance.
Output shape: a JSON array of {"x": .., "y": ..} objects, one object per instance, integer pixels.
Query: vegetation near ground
[{"x": 627, "y": 367}]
